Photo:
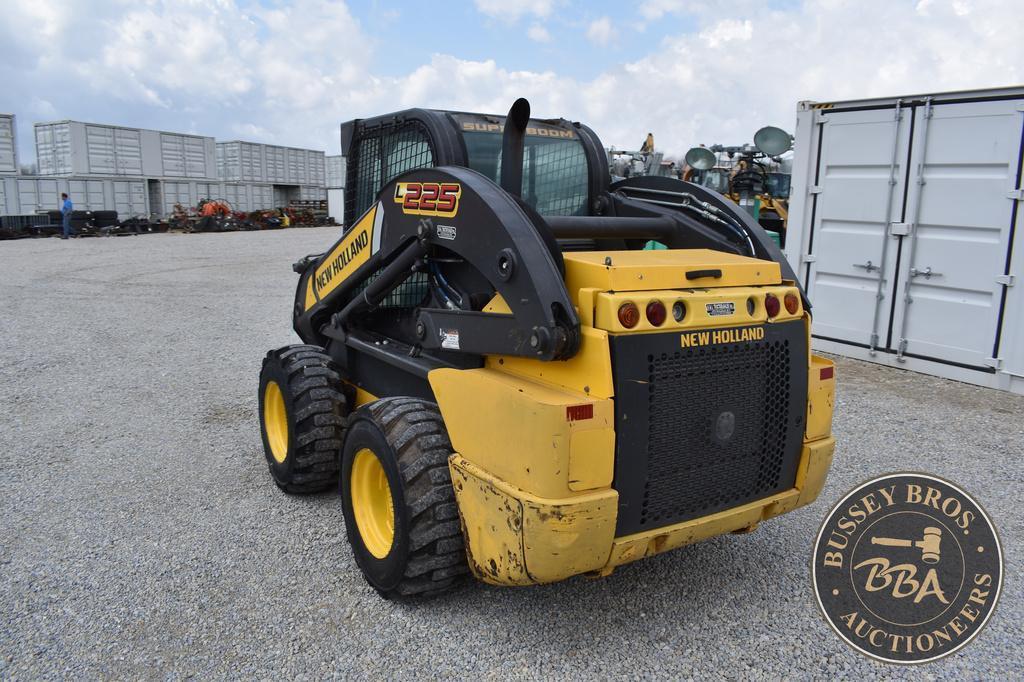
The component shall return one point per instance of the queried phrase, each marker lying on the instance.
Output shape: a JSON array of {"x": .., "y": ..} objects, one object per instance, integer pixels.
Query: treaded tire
[
  {"x": 315, "y": 409},
  {"x": 427, "y": 555}
]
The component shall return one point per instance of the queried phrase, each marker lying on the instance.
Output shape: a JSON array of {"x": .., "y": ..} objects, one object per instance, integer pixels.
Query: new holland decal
[
  {"x": 717, "y": 336},
  {"x": 351, "y": 252},
  {"x": 429, "y": 198}
]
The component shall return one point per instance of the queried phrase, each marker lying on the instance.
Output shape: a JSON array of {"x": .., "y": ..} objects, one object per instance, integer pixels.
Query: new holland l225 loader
[{"x": 500, "y": 378}]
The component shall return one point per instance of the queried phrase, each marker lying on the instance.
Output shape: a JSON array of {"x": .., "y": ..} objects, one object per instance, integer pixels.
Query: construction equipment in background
[
  {"x": 646, "y": 161},
  {"x": 754, "y": 176},
  {"x": 500, "y": 380}
]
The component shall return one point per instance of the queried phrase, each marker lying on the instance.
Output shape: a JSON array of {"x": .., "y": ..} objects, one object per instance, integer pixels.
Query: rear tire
[
  {"x": 302, "y": 418},
  {"x": 395, "y": 477}
]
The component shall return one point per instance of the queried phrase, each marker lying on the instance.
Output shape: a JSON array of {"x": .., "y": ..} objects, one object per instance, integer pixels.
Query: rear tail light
[
  {"x": 656, "y": 313},
  {"x": 771, "y": 305},
  {"x": 678, "y": 311},
  {"x": 629, "y": 315},
  {"x": 792, "y": 303}
]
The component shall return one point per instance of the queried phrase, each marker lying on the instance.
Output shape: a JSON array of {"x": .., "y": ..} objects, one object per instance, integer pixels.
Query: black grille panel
[
  {"x": 691, "y": 468},
  {"x": 712, "y": 427}
]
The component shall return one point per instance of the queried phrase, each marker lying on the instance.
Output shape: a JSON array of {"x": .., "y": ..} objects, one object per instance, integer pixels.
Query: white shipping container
[
  {"x": 76, "y": 148},
  {"x": 262, "y": 197},
  {"x": 904, "y": 224},
  {"x": 275, "y": 163},
  {"x": 335, "y": 171},
  {"x": 8, "y": 145},
  {"x": 336, "y": 203},
  {"x": 307, "y": 193},
  {"x": 317, "y": 168},
  {"x": 25, "y": 195}
]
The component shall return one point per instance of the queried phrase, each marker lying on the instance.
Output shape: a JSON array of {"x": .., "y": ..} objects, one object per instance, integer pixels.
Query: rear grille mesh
[{"x": 696, "y": 465}]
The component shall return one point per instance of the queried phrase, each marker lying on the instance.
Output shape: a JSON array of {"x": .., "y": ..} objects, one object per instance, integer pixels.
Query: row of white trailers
[
  {"x": 905, "y": 229},
  {"x": 27, "y": 195}
]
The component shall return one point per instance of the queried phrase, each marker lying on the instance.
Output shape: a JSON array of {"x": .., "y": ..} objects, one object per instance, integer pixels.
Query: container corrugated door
[
  {"x": 128, "y": 149},
  {"x": 195, "y": 157},
  {"x": 859, "y": 189},
  {"x": 960, "y": 210},
  {"x": 99, "y": 148},
  {"x": 172, "y": 152},
  {"x": 275, "y": 164},
  {"x": 53, "y": 148},
  {"x": 8, "y": 161},
  {"x": 28, "y": 196}
]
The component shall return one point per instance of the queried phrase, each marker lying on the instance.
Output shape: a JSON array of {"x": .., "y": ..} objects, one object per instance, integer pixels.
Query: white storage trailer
[
  {"x": 76, "y": 148},
  {"x": 27, "y": 195},
  {"x": 904, "y": 225},
  {"x": 8, "y": 145},
  {"x": 336, "y": 187},
  {"x": 254, "y": 162}
]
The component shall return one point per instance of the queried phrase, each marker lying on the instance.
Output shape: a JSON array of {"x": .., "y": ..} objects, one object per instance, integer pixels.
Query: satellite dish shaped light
[
  {"x": 773, "y": 141},
  {"x": 700, "y": 158}
]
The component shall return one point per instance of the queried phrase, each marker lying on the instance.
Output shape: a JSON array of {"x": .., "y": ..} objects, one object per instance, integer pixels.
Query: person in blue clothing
[{"x": 65, "y": 211}]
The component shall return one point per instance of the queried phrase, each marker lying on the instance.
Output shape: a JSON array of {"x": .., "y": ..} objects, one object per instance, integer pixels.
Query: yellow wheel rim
[
  {"x": 372, "y": 504},
  {"x": 275, "y": 421}
]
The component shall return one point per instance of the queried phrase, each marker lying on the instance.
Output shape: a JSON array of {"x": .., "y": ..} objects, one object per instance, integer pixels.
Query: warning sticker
[
  {"x": 717, "y": 309},
  {"x": 450, "y": 339}
]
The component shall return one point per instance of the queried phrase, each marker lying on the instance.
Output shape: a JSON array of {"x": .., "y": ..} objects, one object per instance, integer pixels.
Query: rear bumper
[{"x": 516, "y": 538}]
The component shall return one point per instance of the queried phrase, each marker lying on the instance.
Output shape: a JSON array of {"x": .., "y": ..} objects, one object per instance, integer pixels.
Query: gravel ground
[{"x": 142, "y": 536}]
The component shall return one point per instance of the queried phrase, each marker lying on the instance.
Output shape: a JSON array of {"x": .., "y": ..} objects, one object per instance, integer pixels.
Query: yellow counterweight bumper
[{"x": 517, "y": 538}]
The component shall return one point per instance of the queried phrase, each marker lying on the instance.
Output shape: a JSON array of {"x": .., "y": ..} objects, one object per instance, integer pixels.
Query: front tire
[
  {"x": 400, "y": 511},
  {"x": 302, "y": 418}
]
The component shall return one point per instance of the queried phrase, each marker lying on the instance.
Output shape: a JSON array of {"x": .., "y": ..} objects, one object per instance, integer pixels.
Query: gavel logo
[{"x": 929, "y": 544}]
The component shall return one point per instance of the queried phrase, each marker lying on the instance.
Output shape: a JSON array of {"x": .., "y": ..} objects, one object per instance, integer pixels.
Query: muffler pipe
[{"x": 512, "y": 147}]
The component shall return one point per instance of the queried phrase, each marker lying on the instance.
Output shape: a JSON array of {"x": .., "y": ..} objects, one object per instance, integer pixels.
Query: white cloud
[
  {"x": 512, "y": 11},
  {"x": 726, "y": 31},
  {"x": 538, "y": 34},
  {"x": 290, "y": 75},
  {"x": 599, "y": 31},
  {"x": 655, "y": 9}
]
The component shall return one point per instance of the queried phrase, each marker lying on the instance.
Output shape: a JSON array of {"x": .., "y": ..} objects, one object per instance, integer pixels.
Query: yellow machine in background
[{"x": 753, "y": 176}]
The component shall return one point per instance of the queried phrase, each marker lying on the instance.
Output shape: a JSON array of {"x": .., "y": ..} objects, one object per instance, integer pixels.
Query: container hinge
[
  {"x": 1015, "y": 194},
  {"x": 993, "y": 362},
  {"x": 808, "y": 258},
  {"x": 900, "y": 229},
  {"x": 819, "y": 116},
  {"x": 814, "y": 189},
  {"x": 1006, "y": 280}
]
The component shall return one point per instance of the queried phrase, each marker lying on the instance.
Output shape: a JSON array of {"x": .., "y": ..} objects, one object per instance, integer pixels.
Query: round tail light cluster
[
  {"x": 772, "y": 305},
  {"x": 629, "y": 315},
  {"x": 656, "y": 313},
  {"x": 792, "y": 303}
]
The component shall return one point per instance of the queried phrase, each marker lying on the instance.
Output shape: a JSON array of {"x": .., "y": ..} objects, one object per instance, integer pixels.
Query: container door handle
[{"x": 926, "y": 273}]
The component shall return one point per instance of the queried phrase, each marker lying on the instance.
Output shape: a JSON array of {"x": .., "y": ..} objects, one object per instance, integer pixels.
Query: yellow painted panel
[
  {"x": 515, "y": 537},
  {"x": 591, "y": 459},
  {"x": 637, "y": 546},
  {"x": 815, "y": 462},
  {"x": 492, "y": 523},
  {"x": 310, "y": 298},
  {"x": 821, "y": 398},
  {"x": 588, "y": 372},
  {"x": 518, "y": 430},
  {"x": 664, "y": 269}
]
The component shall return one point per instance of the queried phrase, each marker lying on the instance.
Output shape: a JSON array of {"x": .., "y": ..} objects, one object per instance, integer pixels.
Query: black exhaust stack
[{"x": 512, "y": 147}]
